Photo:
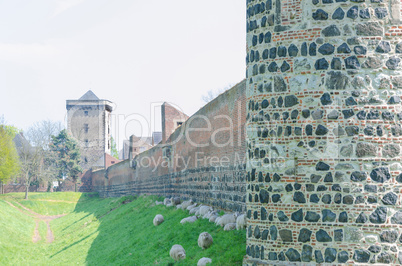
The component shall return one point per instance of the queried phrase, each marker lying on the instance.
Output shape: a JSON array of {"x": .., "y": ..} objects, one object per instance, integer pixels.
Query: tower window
[
  {"x": 85, "y": 160},
  {"x": 86, "y": 113},
  {"x": 86, "y": 143},
  {"x": 86, "y": 128},
  {"x": 179, "y": 123}
]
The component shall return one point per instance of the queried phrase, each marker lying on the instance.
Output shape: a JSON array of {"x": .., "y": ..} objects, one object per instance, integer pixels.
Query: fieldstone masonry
[{"x": 324, "y": 174}]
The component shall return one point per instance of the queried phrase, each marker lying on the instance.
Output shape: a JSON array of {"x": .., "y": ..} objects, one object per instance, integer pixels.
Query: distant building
[
  {"x": 105, "y": 161},
  {"x": 140, "y": 144},
  {"x": 156, "y": 138},
  {"x": 124, "y": 152},
  {"x": 22, "y": 144},
  {"x": 171, "y": 120},
  {"x": 88, "y": 121}
]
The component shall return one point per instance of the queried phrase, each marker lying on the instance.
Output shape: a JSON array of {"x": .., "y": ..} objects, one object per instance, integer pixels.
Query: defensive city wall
[
  {"x": 203, "y": 159},
  {"x": 324, "y": 132},
  {"x": 320, "y": 176}
]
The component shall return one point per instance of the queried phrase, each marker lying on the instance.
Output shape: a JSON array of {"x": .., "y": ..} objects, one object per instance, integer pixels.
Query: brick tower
[{"x": 88, "y": 120}]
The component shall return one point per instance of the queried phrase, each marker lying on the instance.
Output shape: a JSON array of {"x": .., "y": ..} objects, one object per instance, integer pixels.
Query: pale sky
[{"x": 134, "y": 53}]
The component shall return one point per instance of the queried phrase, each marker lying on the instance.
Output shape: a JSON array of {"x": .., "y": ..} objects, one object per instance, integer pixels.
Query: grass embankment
[{"x": 107, "y": 231}]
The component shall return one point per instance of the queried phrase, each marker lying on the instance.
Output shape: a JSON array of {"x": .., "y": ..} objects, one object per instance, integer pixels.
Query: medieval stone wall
[
  {"x": 324, "y": 109},
  {"x": 204, "y": 159}
]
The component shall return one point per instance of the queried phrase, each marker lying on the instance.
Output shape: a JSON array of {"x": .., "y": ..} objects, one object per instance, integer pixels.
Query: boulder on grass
[
  {"x": 230, "y": 227},
  {"x": 190, "y": 219},
  {"x": 176, "y": 201},
  {"x": 204, "y": 261},
  {"x": 158, "y": 219},
  {"x": 177, "y": 252},
  {"x": 189, "y": 208},
  {"x": 187, "y": 203},
  {"x": 205, "y": 240},
  {"x": 194, "y": 210},
  {"x": 227, "y": 219},
  {"x": 166, "y": 201},
  {"x": 241, "y": 222},
  {"x": 212, "y": 219}
]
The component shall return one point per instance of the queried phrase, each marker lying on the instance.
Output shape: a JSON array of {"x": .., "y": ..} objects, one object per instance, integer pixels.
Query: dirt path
[
  {"x": 38, "y": 217},
  {"x": 66, "y": 201},
  {"x": 49, "y": 235},
  {"x": 36, "y": 237}
]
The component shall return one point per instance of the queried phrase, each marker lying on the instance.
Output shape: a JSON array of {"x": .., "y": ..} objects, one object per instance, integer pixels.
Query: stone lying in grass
[
  {"x": 203, "y": 210},
  {"x": 158, "y": 219},
  {"x": 194, "y": 210},
  {"x": 190, "y": 219},
  {"x": 241, "y": 222},
  {"x": 205, "y": 240},
  {"x": 186, "y": 204},
  {"x": 209, "y": 214},
  {"x": 158, "y": 203},
  {"x": 189, "y": 208},
  {"x": 213, "y": 218},
  {"x": 226, "y": 219},
  {"x": 204, "y": 261},
  {"x": 177, "y": 252},
  {"x": 230, "y": 227},
  {"x": 166, "y": 201},
  {"x": 175, "y": 201}
]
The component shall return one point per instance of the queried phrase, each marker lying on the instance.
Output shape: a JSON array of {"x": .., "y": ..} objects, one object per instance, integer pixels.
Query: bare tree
[
  {"x": 212, "y": 94},
  {"x": 31, "y": 161},
  {"x": 40, "y": 136}
]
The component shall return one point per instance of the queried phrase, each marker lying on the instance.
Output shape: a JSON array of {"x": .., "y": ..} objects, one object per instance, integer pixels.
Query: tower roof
[
  {"x": 89, "y": 96},
  {"x": 89, "y": 99}
]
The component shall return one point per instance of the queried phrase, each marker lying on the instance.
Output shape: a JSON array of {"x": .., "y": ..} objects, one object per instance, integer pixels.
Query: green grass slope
[{"x": 115, "y": 231}]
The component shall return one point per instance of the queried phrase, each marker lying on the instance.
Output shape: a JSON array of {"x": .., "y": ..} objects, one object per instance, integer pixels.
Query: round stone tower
[{"x": 324, "y": 132}]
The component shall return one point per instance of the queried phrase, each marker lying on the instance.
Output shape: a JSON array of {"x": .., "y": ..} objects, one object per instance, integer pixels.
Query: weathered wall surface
[
  {"x": 324, "y": 110},
  {"x": 204, "y": 159}
]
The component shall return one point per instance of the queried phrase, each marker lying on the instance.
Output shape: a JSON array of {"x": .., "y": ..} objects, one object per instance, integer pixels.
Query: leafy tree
[
  {"x": 10, "y": 130},
  {"x": 9, "y": 162},
  {"x": 114, "y": 151},
  {"x": 67, "y": 157}
]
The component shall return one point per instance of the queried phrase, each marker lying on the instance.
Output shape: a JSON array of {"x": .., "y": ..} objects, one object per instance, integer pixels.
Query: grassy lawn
[{"x": 107, "y": 231}]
